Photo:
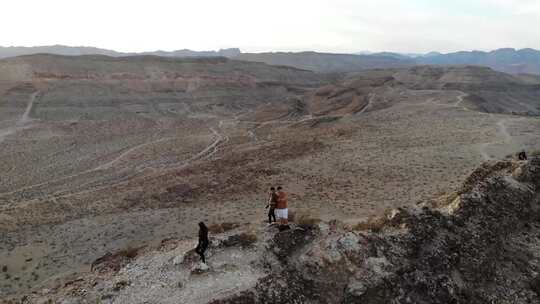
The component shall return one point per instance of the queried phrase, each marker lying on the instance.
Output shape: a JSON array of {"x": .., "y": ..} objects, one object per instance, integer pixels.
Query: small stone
[
  {"x": 200, "y": 268},
  {"x": 356, "y": 288},
  {"x": 178, "y": 260}
]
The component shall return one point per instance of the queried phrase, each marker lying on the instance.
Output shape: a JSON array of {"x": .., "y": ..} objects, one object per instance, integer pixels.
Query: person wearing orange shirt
[{"x": 282, "y": 211}]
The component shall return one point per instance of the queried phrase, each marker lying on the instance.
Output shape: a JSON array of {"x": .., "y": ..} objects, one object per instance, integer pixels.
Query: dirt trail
[
  {"x": 205, "y": 151},
  {"x": 26, "y": 115},
  {"x": 482, "y": 148},
  {"x": 506, "y": 137},
  {"x": 370, "y": 99},
  {"x": 501, "y": 127},
  {"x": 129, "y": 151},
  {"x": 460, "y": 100},
  {"x": 504, "y": 131},
  {"x": 21, "y": 123},
  {"x": 110, "y": 164}
]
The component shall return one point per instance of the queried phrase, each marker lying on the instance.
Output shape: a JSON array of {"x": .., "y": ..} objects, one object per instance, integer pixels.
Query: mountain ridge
[
  {"x": 508, "y": 60},
  {"x": 57, "y": 49}
]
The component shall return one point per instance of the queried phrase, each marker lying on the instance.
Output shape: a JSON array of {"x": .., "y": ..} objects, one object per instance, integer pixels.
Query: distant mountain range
[
  {"x": 524, "y": 61},
  {"x": 84, "y": 50},
  {"x": 328, "y": 63}
]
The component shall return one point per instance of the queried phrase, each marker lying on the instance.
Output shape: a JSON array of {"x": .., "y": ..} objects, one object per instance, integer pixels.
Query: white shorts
[{"x": 282, "y": 213}]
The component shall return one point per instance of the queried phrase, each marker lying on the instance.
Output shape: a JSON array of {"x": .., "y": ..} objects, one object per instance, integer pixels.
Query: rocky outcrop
[
  {"x": 480, "y": 245},
  {"x": 485, "y": 250}
]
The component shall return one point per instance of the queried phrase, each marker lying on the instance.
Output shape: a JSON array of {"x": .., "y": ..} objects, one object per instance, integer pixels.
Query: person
[
  {"x": 272, "y": 201},
  {"x": 522, "y": 155},
  {"x": 282, "y": 211},
  {"x": 203, "y": 241}
]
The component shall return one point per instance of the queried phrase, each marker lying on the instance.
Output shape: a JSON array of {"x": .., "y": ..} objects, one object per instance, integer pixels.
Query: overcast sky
[{"x": 273, "y": 25}]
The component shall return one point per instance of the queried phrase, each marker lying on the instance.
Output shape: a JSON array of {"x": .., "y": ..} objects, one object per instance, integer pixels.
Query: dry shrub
[
  {"x": 113, "y": 262},
  {"x": 373, "y": 223},
  {"x": 306, "y": 219},
  {"x": 216, "y": 228},
  {"x": 444, "y": 200},
  {"x": 291, "y": 216},
  {"x": 244, "y": 239},
  {"x": 229, "y": 226},
  {"x": 391, "y": 218},
  {"x": 220, "y": 228},
  {"x": 248, "y": 238},
  {"x": 129, "y": 252}
]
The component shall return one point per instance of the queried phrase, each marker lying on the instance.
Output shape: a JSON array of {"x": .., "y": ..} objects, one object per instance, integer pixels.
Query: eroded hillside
[
  {"x": 479, "y": 245},
  {"x": 101, "y": 153}
]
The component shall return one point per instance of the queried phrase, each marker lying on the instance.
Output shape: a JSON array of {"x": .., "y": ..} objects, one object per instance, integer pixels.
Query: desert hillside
[
  {"x": 101, "y": 153},
  {"x": 477, "y": 245}
]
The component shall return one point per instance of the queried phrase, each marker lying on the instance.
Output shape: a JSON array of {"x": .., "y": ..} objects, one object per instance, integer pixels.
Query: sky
[{"x": 340, "y": 26}]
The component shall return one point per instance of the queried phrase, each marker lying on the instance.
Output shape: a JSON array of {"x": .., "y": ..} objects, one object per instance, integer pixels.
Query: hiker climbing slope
[{"x": 203, "y": 241}]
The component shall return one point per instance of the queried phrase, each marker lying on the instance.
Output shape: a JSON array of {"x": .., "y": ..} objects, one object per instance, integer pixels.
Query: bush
[
  {"x": 390, "y": 218},
  {"x": 248, "y": 238},
  {"x": 220, "y": 228},
  {"x": 373, "y": 223},
  {"x": 291, "y": 216},
  {"x": 129, "y": 252},
  {"x": 306, "y": 219},
  {"x": 444, "y": 199},
  {"x": 244, "y": 239},
  {"x": 215, "y": 228}
]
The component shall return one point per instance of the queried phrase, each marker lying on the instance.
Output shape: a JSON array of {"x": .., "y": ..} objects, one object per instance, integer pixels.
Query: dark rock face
[
  {"x": 478, "y": 249},
  {"x": 287, "y": 242}
]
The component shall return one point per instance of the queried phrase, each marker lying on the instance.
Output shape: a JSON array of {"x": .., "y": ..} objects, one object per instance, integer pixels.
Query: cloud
[{"x": 325, "y": 25}]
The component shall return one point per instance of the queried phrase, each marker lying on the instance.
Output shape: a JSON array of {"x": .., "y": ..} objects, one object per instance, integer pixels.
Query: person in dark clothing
[
  {"x": 203, "y": 241},
  {"x": 272, "y": 201},
  {"x": 522, "y": 155}
]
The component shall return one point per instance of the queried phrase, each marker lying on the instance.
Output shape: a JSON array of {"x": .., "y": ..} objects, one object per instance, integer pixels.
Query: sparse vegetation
[
  {"x": 222, "y": 227},
  {"x": 130, "y": 252},
  {"x": 244, "y": 239},
  {"x": 372, "y": 223},
  {"x": 444, "y": 199},
  {"x": 306, "y": 218}
]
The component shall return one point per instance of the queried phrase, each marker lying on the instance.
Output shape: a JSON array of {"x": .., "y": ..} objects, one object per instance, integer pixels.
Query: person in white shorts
[{"x": 282, "y": 211}]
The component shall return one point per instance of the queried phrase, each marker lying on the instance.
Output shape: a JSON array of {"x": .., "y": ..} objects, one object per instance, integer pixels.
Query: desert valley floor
[{"x": 99, "y": 154}]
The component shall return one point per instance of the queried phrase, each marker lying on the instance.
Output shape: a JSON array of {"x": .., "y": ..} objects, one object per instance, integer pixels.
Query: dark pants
[
  {"x": 271, "y": 215},
  {"x": 201, "y": 248}
]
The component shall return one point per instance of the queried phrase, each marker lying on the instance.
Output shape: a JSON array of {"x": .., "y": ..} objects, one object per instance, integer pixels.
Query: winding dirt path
[
  {"x": 129, "y": 151},
  {"x": 506, "y": 137},
  {"x": 111, "y": 163},
  {"x": 482, "y": 148},
  {"x": 370, "y": 99},
  {"x": 504, "y": 131},
  {"x": 501, "y": 127},
  {"x": 23, "y": 122}
]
